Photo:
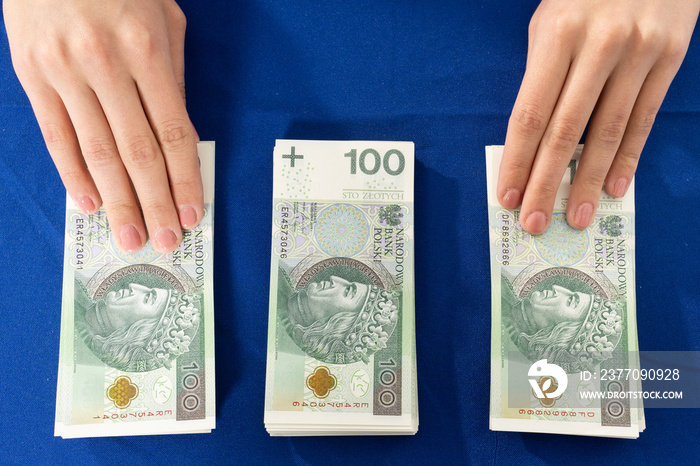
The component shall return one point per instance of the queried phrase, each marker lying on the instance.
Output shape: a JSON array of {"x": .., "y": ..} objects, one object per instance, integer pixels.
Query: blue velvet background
[{"x": 443, "y": 74}]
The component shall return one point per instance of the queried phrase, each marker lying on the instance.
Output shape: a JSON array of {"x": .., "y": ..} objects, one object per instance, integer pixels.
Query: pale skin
[
  {"x": 106, "y": 81},
  {"x": 606, "y": 63}
]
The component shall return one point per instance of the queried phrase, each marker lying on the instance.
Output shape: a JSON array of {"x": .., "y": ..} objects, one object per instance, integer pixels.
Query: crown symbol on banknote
[
  {"x": 122, "y": 392},
  {"x": 599, "y": 334},
  {"x": 373, "y": 325},
  {"x": 321, "y": 382},
  {"x": 176, "y": 329}
]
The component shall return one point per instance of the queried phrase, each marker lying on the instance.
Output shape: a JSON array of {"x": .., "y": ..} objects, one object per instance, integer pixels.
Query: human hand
[
  {"x": 610, "y": 61},
  {"x": 106, "y": 81}
]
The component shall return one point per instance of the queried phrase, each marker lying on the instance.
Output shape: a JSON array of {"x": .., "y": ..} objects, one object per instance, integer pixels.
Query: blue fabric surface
[{"x": 442, "y": 74}]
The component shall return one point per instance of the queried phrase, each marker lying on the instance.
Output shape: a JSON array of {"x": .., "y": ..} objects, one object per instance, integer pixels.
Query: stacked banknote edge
[
  {"x": 563, "y": 318},
  {"x": 137, "y": 330},
  {"x": 341, "y": 333}
]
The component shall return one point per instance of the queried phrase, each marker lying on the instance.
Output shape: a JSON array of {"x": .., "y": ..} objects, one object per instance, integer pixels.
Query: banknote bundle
[
  {"x": 564, "y": 346},
  {"x": 341, "y": 354},
  {"x": 137, "y": 330}
]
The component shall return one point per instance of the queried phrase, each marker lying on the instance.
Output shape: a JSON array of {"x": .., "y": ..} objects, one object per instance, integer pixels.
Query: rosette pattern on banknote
[
  {"x": 342, "y": 230},
  {"x": 561, "y": 244}
]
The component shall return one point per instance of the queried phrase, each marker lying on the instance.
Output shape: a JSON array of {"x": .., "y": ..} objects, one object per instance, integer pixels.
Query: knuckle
[
  {"x": 566, "y": 25},
  {"x": 185, "y": 187},
  {"x": 121, "y": 210},
  {"x": 612, "y": 40},
  {"x": 592, "y": 182},
  {"x": 178, "y": 19},
  {"x": 49, "y": 54},
  {"x": 627, "y": 159},
  {"x": 520, "y": 167},
  {"x": 557, "y": 23},
  {"x": 611, "y": 131},
  {"x": 154, "y": 207},
  {"x": 25, "y": 64},
  {"x": 73, "y": 176},
  {"x": 563, "y": 136},
  {"x": 643, "y": 125},
  {"x": 139, "y": 39},
  {"x": 618, "y": 41},
  {"x": 532, "y": 27},
  {"x": 534, "y": 23},
  {"x": 528, "y": 118},
  {"x": 651, "y": 38},
  {"x": 543, "y": 191},
  {"x": 676, "y": 48},
  {"x": 94, "y": 49},
  {"x": 180, "y": 79},
  {"x": 174, "y": 135},
  {"x": 55, "y": 136},
  {"x": 141, "y": 153},
  {"x": 99, "y": 152}
]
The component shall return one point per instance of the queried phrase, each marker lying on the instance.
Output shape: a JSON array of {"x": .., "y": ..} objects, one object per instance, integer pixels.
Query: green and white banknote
[
  {"x": 137, "y": 330},
  {"x": 563, "y": 318},
  {"x": 341, "y": 354}
]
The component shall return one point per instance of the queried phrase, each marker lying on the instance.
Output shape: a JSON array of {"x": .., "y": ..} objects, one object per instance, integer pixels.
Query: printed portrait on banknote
[
  {"x": 563, "y": 315},
  {"x": 339, "y": 311},
  {"x": 138, "y": 318}
]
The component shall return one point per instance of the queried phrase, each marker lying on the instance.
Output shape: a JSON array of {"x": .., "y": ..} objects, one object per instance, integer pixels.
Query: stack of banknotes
[
  {"x": 341, "y": 354},
  {"x": 564, "y": 328},
  {"x": 137, "y": 330}
]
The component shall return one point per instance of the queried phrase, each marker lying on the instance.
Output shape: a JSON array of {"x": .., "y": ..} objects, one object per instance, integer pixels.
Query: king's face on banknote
[
  {"x": 575, "y": 328},
  {"x": 549, "y": 307},
  {"x": 335, "y": 319},
  {"x": 131, "y": 326},
  {"x": 321, "y": 300},
  {"x": 124, "y": 307}
]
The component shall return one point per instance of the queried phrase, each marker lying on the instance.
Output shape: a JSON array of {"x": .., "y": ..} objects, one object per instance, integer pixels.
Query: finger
[
  {"x": 584, "y": 84},
  {"x": 175, "y": 134},
  {"x": 62, "y": 144},
  {"x": 176, "y": 40},
  {"x": 177, "y": 24},
  {"x": 142, "y": 157},
  {"x": 102, "y": 157},
  {"x": 548, "y": 61},
  {"x": 641, "y": 120},
  {"x": 605, "y": 133}
]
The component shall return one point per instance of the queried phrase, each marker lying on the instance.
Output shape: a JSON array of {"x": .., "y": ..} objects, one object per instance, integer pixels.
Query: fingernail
[
  {"x": 188, "y": 217},
  {"x": 583, "y": 215},
  {"x": 86, "y": 204},
  {"x": 536, "y": 223},
  {"x": 130, "y": 238},
  {"x": 511, "y": 199},
  {"x": 620, "y": 187},
  {"x": 166, "y": 239}
]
